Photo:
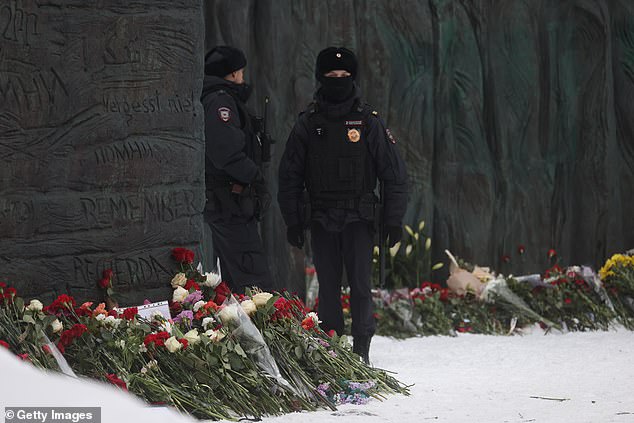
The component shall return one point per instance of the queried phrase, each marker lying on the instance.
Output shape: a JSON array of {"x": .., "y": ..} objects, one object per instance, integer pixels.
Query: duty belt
[{"x": 350, "y": 203}]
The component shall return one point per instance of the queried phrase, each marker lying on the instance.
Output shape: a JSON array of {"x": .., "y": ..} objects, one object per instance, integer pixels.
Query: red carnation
[
  {"x": 567, "y": 300},
  {"x": 506, "y": 258},
  {"x": 112, "y": 378},
  {"x": 4, "y": 344},
  {"x": 183, "y": 255},
  {"x": 130, "y": 312},
  {"x": 158, "y": 339},
  {"x": 308, "y": 323},
  {"x": 521, "y": 249},
  {"x": 552, "y": 253},
  {"x": 184, "y": 342}
]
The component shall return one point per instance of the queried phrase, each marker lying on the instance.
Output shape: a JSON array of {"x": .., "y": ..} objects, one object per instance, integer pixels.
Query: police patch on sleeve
[
  {"x": 224, "y": 113},
  {"x": 390, "y": 136}
]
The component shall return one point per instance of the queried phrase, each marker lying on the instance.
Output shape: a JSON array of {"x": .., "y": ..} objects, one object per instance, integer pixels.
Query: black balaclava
[{"x": 336, "y": 90}]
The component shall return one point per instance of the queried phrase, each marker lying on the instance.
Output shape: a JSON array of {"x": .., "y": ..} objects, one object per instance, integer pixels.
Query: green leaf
[
  {"x": 110, "y": 292},
  {"x": 238, "y": 349},
  {"x": 19, "y": 303},
  {"x": 236, "y": 363},
  {"x": 28, "y": 319},
  {"x": 299, "y": 352}
]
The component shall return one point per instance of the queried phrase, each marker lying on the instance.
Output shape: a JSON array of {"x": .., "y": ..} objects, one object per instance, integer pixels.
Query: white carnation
[
  {"x": 208, "y": 321},
  {"x": 198, "y": 305}
]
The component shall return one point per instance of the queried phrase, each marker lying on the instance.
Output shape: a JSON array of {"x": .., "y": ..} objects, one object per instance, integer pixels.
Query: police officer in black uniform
[
  {"x": 337, "y": 152},
  {"x": 235, "y": 186}
]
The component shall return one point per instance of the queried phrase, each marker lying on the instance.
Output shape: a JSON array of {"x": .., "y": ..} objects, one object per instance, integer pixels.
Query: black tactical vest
[
  {"x": 252, "y": 148},
  {"x": 339, "y": 168}
]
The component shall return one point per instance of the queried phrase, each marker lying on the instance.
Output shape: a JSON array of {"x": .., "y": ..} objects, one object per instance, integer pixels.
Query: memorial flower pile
[
  {"x": 572, "y": 298},
  {"x": 221, "y": 356}
]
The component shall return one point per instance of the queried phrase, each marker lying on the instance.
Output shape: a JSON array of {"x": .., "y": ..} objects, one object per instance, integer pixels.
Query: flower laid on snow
[
  {"x": 249, "y": 307},
  {"x": 35, "y": 305},
  {"x": 156, "y": 339},
  {"x": 192, "y": 336},
  {"x": 229, "y": 315},
  {"x": 208, "y": 321},
  {"x": 179, "y": 294},
  {"x": 130, "y": 312},
  {"x": 179, "y": 280},
  {"x": 212, "y": 280},
  {"x": 194, "y": 297},
  {"x": 199, "y": 304},
  {"x": 172, "y": 344},
  {"x": 261, "y": 298},
  {"x": 215, "y": 335},
  {"x": 311, "y": 321},
  {"x": 185, "y": 317},
  {"x": 57, "y": 326}
]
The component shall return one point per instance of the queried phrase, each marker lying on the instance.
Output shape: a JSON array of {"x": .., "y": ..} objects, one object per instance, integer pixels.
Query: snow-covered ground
[{"x": 573, "y": 377}]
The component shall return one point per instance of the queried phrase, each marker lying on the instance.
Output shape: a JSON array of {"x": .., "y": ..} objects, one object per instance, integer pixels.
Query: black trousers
[
  {"x": 237, "y": 243},
  {"x": 352, "y": 248}
]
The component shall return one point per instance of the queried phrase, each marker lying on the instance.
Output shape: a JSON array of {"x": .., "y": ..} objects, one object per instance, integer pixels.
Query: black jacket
[
  {"x": 389, "y": 168},
  {"x": 230, "y": 145}
]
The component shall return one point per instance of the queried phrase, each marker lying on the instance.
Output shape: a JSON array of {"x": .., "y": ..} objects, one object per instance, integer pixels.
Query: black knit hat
[
  {"x": 335, "y": 58},
  {"x": 222, "y": 60}
]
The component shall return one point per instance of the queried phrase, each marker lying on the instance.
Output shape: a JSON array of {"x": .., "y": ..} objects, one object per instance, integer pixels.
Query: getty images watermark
[{"x": 52, "y": 414}]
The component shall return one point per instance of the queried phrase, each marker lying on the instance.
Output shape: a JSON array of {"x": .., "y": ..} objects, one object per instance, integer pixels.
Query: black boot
[{"x": 361, "y": 346}]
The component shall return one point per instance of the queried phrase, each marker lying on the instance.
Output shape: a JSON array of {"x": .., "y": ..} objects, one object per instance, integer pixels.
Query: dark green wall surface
[{"x": 515, "y": 117}]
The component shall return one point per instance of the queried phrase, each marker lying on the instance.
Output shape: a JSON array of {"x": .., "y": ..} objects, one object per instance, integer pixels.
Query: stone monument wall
[{"x": 101, "y": 143}]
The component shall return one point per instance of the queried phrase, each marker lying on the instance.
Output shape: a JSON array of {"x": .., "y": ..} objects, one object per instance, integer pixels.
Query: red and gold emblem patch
[{"x": 354, "y": 135}]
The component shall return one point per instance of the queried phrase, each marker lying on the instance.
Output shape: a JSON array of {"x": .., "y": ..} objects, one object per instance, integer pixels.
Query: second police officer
[{"x": 337, "y": 151}]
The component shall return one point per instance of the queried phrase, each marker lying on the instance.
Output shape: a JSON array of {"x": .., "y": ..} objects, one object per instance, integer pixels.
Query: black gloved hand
[
  {"x": 392, "y": 235},
  {"x": 262, "y": 195},
  {"x": 295, "y": 235}
]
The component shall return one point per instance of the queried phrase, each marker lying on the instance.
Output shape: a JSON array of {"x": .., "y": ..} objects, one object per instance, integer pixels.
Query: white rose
[
  {"x": 192, "y": 336},
  {"x": 208, "y": 321},
  {"x": 249, "y": 307},
  {"x": 173, "y": 345},
  {"x": 215, "y": 335},
  {"x": 100, "y": 317},
  {"x": 212, "y": 280},
  {"x": 180, "y": 294},
  {"x": 179, "y": 280},
  {"x": 35, "y": 305},
  {"x": 57, "y": 326},
  {"x": 229, "y": 314},
  {"x": 199, "y": 304},
  {"x": 261, "y": 298}
]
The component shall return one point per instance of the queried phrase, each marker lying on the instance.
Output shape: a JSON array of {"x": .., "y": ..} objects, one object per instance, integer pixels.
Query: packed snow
[{"x": 571, "y": 377}]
